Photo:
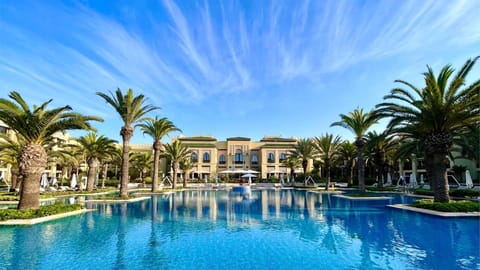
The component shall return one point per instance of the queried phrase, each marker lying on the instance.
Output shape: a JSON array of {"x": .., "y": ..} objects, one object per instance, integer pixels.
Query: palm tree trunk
[
  {"x": 361, "y": 165},
  {"x": 156, "y": 161},
  {"x": 439, "y": 177},
  {"x": 350, "y": 178},
  {"x": 304, "y": 166},
  {"x": 32, "y": 161},
  {"x": 185, "y": 179},
  {"x": 174, "y": 177},
  {"x": 92, "y": 171},
  {"x": 127, "y": 133},
  {"x": 104, "y": 174},
  {"x": 327, "y": 163}
]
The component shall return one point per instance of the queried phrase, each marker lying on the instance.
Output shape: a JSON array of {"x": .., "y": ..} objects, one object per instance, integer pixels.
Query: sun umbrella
[
  {"x": 389, "y": 179},
  {"x": 54, "y": 180},
  {"x": 44, "y": 181},
  {"x": 413, "y": 180},
  {"x": 468, "y": 179},
  {"x": 249, "y": 175},
  {"x": 73, "y": 183}
]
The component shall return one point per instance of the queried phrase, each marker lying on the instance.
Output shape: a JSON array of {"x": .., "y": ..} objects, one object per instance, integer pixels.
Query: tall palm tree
[
  {"x": 36, "y": 127},
  {"x": 95, "y": 149},
  {"x": 348, "y": 152},
  {"x": 157, "y": 128},
  {"x": 434, "y": 114},
  {"x": 358, "y": 122},
  {"x": 292, "y": 162},
  {"x": 131, "y": 109},
  {"x": 143, "y": 162},
  {"x": 176, "y": 152},
  {"x": 327, "y": 146},
  {"x": 379, "y": 145},
  {"x": 304, "y": 150}
]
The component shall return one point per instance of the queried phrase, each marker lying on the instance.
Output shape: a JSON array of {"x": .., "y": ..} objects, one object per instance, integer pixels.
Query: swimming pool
[{"x": 268, "y": 229}]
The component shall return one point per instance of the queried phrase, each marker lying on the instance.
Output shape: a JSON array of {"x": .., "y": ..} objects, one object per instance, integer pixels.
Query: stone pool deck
[{"x": 434, "y": 213}]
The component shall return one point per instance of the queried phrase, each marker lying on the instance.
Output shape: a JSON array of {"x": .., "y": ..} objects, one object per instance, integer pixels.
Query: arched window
[
  {"x": 194, "y": 157},
  {"x": 254, "y": 158},
  {"x": 206, "y": 157},
  {"x": 238, "y": 157},
  {"x": 282, "y": 157},
  {"x": 270, "y": 158},
  {"x": 222, "y": 159}
]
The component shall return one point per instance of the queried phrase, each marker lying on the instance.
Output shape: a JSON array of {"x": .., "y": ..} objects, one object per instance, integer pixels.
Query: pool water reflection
[{"x": 269, "y": 229}]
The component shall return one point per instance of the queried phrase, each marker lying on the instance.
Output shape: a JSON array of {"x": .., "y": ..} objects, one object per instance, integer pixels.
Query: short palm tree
[
  {"x": 292, "y": 162},
  {"x": 143, "y": 162},
  {"x": 435, "y": 114},
  {"x": 36, "y": 127},
  {"x": 379, "y": 145},
  {"x": 157, "y": 128},
  {"x": 131, "y": 110},
  {"x": 185, "y": 165},
  {"x": 9, "y": 151},
  {"x": 176, "y": 152},
  {"x": 348, "y": 153},
  {"x": 304, "y": 150},
  {"x": 328, "y": 148},
  {"x": 95, "y": 149},
  {"x": 358, "y": 122}
]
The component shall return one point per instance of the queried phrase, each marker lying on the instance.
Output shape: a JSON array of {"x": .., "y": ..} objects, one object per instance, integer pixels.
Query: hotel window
[
  {"x": 254, "y": 158},
  {"x": 238, "y": 158},
  {"x": 222, "y": 159},
  {"x": 282, "y": 157},
  {"x": 194, "y": 157},
  {"x": 270, "y": 158},
  {"x": 206, "y": 157}
]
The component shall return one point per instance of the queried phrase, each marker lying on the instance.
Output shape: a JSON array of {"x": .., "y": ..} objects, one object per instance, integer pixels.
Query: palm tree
[
  {"x": 304, "y": 150},
  {"x": 112, "y": 157},
  {"x": 157, "y": 128},
  {"x": 292, "y": 162},
  {"x": 348, "y": 152},
  {"x": 434, "y": 115},
  {"x": 185, "y": 165},
  {"x": 379, "y": 145},
  {"x": 327, "y": 146},
  {"x": 358, "y": 123},
  {"x": 176, "y": 152},
  {"x": 143, "y": 162},
  {"x": 95, "y": 149},
  {"x": 131, "y": 109},
  {"x": 9, "y": 151},
  {"x": 35, "y": 127}
]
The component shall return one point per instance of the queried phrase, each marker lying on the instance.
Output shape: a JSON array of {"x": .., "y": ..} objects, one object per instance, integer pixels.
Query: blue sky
[{"x": 230, "y": 68}]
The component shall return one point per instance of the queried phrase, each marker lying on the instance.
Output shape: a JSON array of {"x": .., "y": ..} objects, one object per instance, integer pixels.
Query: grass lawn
[
  {"x": 452, "y": 206},
  {"x": 47, "y": 210}
]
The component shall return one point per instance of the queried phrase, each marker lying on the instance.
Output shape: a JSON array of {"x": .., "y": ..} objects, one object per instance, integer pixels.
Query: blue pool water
[{"x": 265, "y": 230}]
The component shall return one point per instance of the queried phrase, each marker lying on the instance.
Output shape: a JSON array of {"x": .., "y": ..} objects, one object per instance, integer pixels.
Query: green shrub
[
  {"x": 112, "y": 182},
  {"x": 452, "y": 206},
  {"x": 421, "y": 191},
  {"x": 464, "y": 193},
  {"x": 43, "y": 211}
]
